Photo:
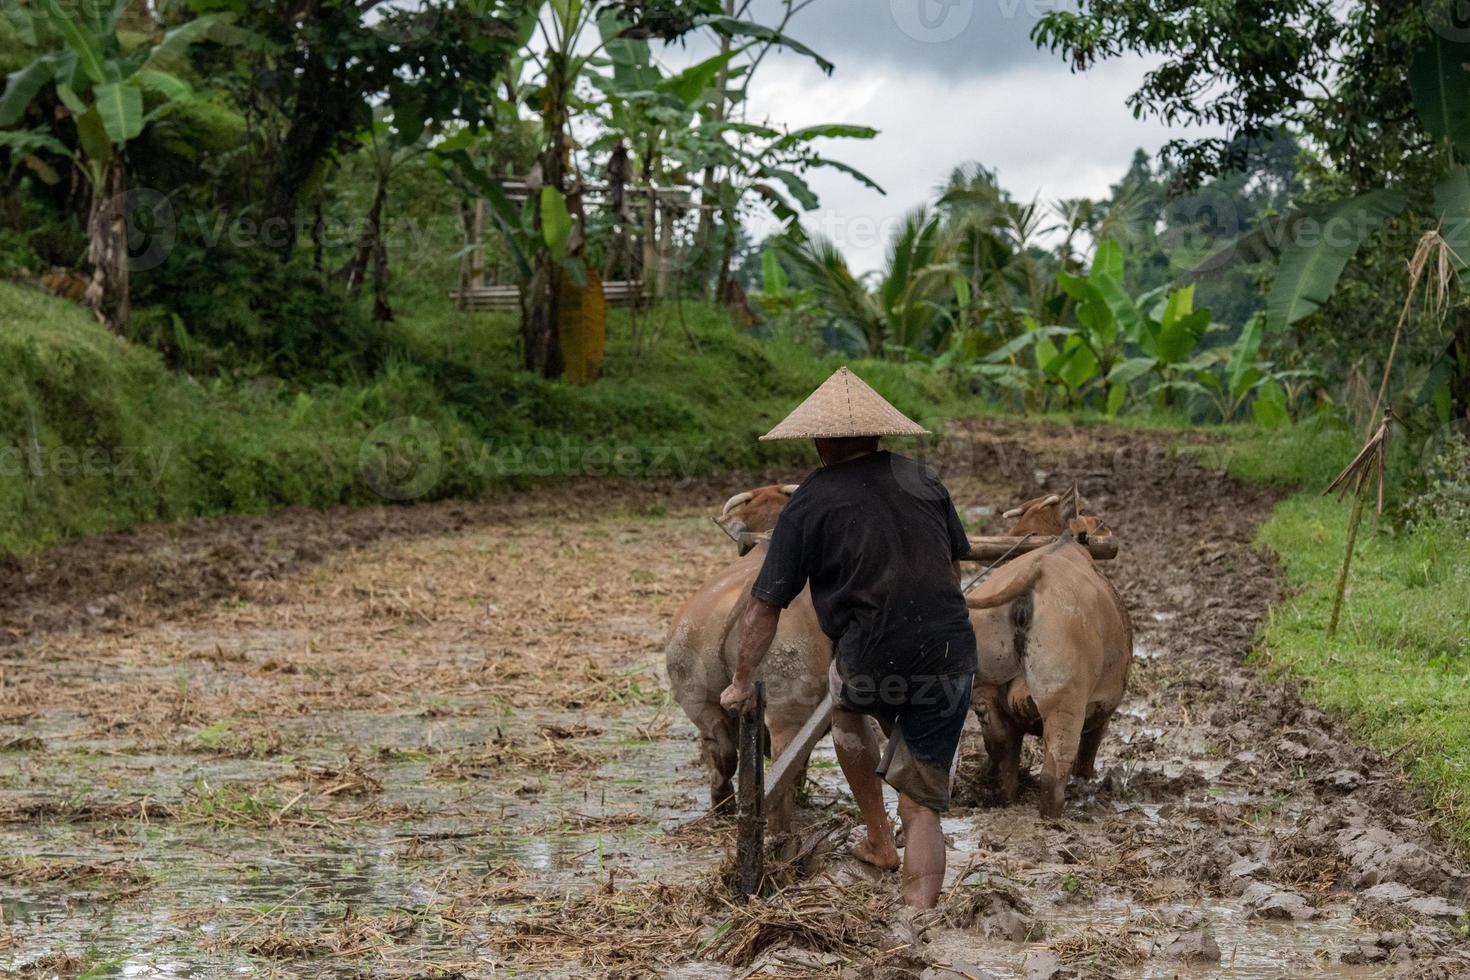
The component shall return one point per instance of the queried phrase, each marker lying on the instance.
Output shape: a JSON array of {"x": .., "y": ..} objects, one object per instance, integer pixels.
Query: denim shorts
[{"x": 925, "y": 717}]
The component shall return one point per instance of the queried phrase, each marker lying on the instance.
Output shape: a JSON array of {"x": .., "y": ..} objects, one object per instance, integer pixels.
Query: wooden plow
[{"x": 756, "y": 789}]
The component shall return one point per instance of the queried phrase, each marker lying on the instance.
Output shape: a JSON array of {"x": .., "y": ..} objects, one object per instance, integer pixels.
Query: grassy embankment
[
  {"x": 1398, "y": 669},
  {"x": 98, "y": 433}
]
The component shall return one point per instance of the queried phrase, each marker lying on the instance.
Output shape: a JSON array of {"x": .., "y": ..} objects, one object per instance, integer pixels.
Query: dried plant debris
[
  {"x": 1107, "y": 950},
  {"x": 648, "y": 926},
  {"x": 502, "y": 753},
  {"x": 115, "y": 878}
]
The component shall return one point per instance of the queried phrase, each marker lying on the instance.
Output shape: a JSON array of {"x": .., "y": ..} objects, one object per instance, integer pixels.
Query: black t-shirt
[{"x": 876, "y": 537}]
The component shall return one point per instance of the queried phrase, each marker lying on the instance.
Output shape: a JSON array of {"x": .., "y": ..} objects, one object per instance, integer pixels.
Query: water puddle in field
[{"x": 210, "y": 894}]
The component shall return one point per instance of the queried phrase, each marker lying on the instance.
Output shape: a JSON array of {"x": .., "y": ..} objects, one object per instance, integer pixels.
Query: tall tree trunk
[
  {"x": 539, "y": 312},
  {"x": 382, "y": 311},
  {"x": 648, "y": 233},
  {"x": 467, "y": 257},
  {"x": 703, "y": 231},
  {"x": 318, "y": 233},
  {"x": 665, "y": 252},
  {"x": 107, "y": 247},
  {"x": 322, "y": 113},
  {"x": 472, "y": 260},
  {"x": 727, "y": 253},
  {"x": 539, "y": 302},
  {"x": 355, "y": 271},
  {"x": 477, "y": 257}
]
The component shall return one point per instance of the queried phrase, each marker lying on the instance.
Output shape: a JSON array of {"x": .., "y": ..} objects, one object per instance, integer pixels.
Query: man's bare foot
[{"x": 883, "y": 856}]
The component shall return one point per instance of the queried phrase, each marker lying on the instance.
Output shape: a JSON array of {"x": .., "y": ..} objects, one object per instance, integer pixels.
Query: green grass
[
  {"x": 97, "y": 433},
  {"x": 1398, "y": 670}
]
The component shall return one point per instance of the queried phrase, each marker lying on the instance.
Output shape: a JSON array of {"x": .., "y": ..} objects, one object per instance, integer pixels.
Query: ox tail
[
  {"x": 1016, "y": 588},
  {"x": 1023, "y": 611}
]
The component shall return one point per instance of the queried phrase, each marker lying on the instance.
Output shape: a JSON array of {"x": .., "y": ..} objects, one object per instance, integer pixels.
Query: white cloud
[{"x": 1046, "y": 131}]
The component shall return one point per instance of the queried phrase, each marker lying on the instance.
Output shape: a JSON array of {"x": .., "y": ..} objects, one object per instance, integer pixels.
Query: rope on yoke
[{"x": 980, "y": 576}]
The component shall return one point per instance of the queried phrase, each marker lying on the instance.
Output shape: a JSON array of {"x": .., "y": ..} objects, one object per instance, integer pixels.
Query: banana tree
[
  {"x": 1084, "y": 356},
  {"x": 1168, "y": 339},
  {"x": 769, "y": 165},
  {"x": 548, "y": 237},
  {"x": 110, "y": 95},
  {"x": 1045, "y": 366},
  {"x": 646, "y": 117}
]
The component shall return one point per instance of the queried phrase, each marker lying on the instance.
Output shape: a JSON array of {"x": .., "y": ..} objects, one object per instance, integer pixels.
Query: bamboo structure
[
  {"x": 652, "y": 219},
  {"x": 1370, "y": 463}
]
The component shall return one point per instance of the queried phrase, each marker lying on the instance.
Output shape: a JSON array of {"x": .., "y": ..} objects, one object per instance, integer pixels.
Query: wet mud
[{"x": 435, "y": 741}]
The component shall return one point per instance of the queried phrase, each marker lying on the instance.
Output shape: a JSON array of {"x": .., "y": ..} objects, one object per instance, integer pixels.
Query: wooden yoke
[
  {"x": 992, "y": 548},
  {"x": 1001, "y": 546}
]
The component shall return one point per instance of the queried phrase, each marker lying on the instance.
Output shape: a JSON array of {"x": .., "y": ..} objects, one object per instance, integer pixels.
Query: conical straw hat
[{"x": 844, "y": 406}]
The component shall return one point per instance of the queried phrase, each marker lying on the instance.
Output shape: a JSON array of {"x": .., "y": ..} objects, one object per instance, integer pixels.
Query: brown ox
[
  {"x": 701, "y": 650},
  {"x": 1055, "y": 646},
  {"x": 1054, "y": 514}
]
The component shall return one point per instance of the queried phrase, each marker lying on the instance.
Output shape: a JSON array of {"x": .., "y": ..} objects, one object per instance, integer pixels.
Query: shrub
[
  {"x": 1445, "y": 496},
  {"x": 245, "y": 311}
]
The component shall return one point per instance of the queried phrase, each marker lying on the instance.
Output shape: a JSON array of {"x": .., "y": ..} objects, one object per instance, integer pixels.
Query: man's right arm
[
  {"x": 782, "y": 576},
  {"x": 757, "y": 630}
]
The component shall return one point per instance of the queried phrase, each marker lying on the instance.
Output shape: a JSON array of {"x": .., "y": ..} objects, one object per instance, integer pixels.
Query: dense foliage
[
  {"x": 262, "y": 193},
  {"x": 1376, "y": 92}
]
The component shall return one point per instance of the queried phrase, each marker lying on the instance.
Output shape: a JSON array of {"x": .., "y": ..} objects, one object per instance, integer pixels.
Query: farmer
[{"x": 877, "y": 537}]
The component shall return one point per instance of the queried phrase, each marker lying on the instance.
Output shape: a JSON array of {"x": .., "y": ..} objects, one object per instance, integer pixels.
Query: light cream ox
[{"x": 701, "y": 649}]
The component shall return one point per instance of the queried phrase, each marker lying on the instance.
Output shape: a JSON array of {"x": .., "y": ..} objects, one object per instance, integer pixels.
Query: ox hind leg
[
  {"x": 1010, "y": 759},
  {"x": 1003, "y": 739},
  {"x": 1062, "y": 734},
  {"x": 1086, "y": 765}
]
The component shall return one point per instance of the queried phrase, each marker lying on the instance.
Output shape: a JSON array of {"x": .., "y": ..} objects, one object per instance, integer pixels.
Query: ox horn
[
  {"x": 1013, "y": 513},
  {"x": 735, "y": 501},
  {"x": 1051, "y": 501},
  {"x": 789, "y": 488}
]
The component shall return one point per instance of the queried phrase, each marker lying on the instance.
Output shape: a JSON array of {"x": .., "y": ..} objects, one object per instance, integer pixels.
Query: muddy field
[{"x": 435, "y": 741}]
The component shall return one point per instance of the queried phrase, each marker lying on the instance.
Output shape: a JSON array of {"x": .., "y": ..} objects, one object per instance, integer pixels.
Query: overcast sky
[{"x": 945, "y": 82}]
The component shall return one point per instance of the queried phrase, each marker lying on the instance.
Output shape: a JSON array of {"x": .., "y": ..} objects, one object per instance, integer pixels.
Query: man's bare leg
[
  {"x": 923, "y": 854},
  {"x": 857, "y": 752}
]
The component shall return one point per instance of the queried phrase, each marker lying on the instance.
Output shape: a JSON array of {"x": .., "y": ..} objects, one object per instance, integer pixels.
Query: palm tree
[{"x": 818, "y": 265}]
